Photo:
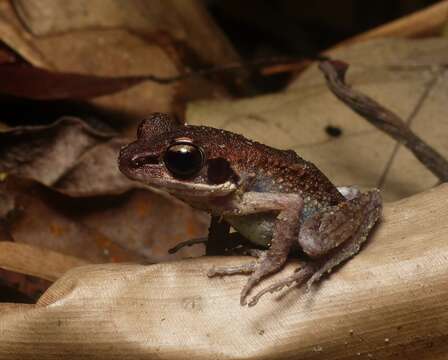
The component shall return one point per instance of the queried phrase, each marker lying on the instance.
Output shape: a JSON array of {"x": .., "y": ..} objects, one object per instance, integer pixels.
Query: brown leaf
[
  {"x": 389, "y": 301},
  {"x": 39, "y": 220},
  {"x": 186, "y": 21},
  {"x": 74, "y": 159},
  {"x": 137, "y": 226},
  {"x": 6, "y": 56},
  {"x": 67, "y": 155},
  {"x": 95, "y": 172},
  {"x": 7, "y": 206},
  {"x": 21, "y": 288},
  {"x": 34, "y": 83},
  {"x": 120, "y": 39}
]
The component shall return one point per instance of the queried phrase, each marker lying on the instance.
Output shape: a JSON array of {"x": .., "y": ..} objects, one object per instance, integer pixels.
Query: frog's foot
[
  {"x": 239, "y": 269},
  {"x": 269, "y": 263},
  {"x": 265, "y": 265},
  {"x": 301, "y": 275},
  {"x": 232, "y": 270}
]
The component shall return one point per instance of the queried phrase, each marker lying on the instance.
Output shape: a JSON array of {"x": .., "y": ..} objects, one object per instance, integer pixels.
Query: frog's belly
[{"x": 257, "y": 228}]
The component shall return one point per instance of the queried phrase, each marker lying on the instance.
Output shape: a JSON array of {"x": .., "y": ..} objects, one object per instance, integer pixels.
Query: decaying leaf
[
  {"x": 388, "y": 302},
  {"x": 119, "y": 39},
  {"x": 49, "y": 153},
  {"x": 34, "y": 83},
  {"x": 6, "y": 56},
  {"x": 187, "y": 21},
  {"x": 406, "y": 76},
  {"x": 76, "y": 160},
  {"x": 21, "y": 288},
  {"x": 138, "y": 225},
  {"x": 7, "y": 205}
]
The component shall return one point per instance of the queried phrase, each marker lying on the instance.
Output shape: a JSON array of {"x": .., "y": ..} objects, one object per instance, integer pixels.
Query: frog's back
[{"x": 272, "y": 170}]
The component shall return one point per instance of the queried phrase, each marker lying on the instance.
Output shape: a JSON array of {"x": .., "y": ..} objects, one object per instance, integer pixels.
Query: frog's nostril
[{"x": 140, "y": 160}]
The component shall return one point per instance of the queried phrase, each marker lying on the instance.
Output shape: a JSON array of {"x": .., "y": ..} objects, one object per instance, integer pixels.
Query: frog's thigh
[
  {"x": 257, "y": 202},
  {"x": 329, "y": 228},
  {"x": 372, "y": 210}
]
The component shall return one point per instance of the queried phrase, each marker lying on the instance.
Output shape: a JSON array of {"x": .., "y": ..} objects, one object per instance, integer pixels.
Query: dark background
[{"x": 302, "y": 27}]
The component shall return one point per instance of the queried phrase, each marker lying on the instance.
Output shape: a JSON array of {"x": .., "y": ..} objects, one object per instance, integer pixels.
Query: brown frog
[{"x": 273, "y": 198}]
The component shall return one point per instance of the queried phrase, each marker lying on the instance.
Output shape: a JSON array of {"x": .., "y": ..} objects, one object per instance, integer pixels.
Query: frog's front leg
[{"x": 285, "y": 232}]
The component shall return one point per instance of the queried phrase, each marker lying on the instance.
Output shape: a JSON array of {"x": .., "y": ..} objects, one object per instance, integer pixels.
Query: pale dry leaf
[
  {"x": 6, "y": 307},
  {"x": 403, "y": 75},
  {"x": 16, "y": 37},
  {"x": 187, "y": 21},
  {"x": 31, "y": 260},
  {"x": 388, "y": 302}
]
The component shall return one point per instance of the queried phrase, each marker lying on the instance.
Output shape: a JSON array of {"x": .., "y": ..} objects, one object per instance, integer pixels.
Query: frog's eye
[{"x": 183, "y": 160}]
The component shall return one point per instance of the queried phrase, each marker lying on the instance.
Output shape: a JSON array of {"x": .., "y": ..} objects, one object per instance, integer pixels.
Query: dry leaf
[
  {"x": 58, "y": 154},
  {"x": 7, "y": 206},
  {"x": 31, "y": 260},
  {"x": 20, "y": 288},
  {"x": 6, "y": 56},
  {"x": 388, "y": 302},
  {"x": 34, "y": 83},
  {"x": 76, "y": 160},
  {"x": 120, "y": 39},
  {"x": 400, "y": 74},
  {"x": 187, "y": 21},
  {"x": 137, "y": 226}
]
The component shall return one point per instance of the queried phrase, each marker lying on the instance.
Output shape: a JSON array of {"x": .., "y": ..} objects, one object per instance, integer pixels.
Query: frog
[{"x": 277, "y": 201}]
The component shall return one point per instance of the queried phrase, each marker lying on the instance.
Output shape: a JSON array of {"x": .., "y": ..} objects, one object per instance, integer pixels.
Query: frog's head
[{"x": 182, "y": 160}]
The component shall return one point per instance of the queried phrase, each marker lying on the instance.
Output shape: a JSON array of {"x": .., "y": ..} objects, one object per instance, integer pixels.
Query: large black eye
[{"x": 183, "y": 160}]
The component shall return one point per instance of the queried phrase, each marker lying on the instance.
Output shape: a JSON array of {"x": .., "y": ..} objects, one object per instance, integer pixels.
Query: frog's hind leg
[
  {"x": 332, "y": 237},
  {"x": 367, "y": 208}
]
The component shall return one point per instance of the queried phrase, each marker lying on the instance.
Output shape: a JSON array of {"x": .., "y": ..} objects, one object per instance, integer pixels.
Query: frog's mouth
[
  {"x": 164, "y": 181},
  {"x": 193, "y": 190}
]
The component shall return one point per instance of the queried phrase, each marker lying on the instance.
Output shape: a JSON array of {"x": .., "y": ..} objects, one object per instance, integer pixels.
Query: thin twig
[
  {"x": 382, "y": 118},
  {"x": 255, "y": 64},
  {"x": 418, "y": 106}
]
